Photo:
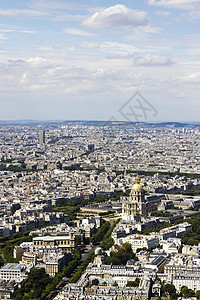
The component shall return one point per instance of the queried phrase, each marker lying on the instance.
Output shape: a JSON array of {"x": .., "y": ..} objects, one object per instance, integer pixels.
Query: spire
[
  {"x": 137, "y": 187},
  {"x": 137, "y": 181}
]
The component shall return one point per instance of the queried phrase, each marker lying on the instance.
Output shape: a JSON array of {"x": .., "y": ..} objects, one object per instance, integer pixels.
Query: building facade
[
  {"x": 42, "y": 137},
  {"x": 135, "y": 204},
  {"x": 62, "y": 242},
  {"x": 12, "y": 271},
  {"x": 140, "y": 241},
  {"x": 54, "y": 264},
  {"x": 192, "y": 281}
]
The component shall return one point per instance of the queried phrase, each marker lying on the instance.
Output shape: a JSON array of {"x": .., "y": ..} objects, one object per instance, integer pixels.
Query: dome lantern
[{"x": 137, "y": 187}]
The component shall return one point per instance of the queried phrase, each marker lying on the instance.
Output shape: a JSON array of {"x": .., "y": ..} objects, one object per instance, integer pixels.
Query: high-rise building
[
  {"x": 42, "y": 137},
  {"x": 91, "y": 147}
]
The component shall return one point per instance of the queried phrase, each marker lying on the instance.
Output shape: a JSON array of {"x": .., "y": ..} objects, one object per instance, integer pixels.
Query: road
[{"x": 87, "y": 250}]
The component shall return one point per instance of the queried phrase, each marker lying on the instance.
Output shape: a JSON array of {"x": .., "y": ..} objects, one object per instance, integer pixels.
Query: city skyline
[
  {"x": 90, "y": 211},
  {"x": 73, "y": 61}
]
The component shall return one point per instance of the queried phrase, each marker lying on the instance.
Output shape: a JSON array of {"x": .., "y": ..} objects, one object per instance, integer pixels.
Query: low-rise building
[
  {"x": 7, "y": 288},
  {"x": 64, "y": 242},
  {"x": 171, "y": 245},
  {"x": 192, "y": 281},
  {"x": 175, "y": 231},
  {"x": 182, "y": 263},
  {"x": 54, "y": 264},
  {"x": 13, "y": 271},
  {"x": 118, "y": 273},
  {"x": 29, "y": 257},
  {"x": 140, "y": 241},
  {"x": 191, "y": 250}
]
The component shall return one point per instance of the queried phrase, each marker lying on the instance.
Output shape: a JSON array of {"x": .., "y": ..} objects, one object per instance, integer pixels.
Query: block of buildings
[{"x": 192, "y": 281}]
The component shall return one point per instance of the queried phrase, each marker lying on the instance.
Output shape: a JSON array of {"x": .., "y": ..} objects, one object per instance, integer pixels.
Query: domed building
[{"x": 135, "y": 204}]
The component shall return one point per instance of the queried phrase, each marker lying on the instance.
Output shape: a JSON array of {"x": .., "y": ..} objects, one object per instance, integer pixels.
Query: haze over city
[{"x": 71, "y": 60}]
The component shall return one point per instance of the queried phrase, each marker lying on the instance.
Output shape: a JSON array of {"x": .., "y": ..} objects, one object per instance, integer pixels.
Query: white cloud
[
  {"x": 193, "y": 51},
  {"x": 28, "y": 31},
  {"x": 192, "y": 14},
  {"x": 6, "y": 30},
  {"x": 162, "y": 13},
  {"x": 23, "y": 78},
  {"x": 192, "y": 78},
  {"x": 89, "y": 46},
  {"x": 16, "y": 61},
  {"x": 20, "y": 31},
  {"x": 38, "y": 61},
  {"x": 60, "y": 10},
  {"x": 149, "y": 43},
  {"x": 56, "y": 15},
  {"x": 60, "y": 17},
  {"x": 118, "y": 49},
  {"x": 150, "y": 60},
  {"x": 150, "y": 29},
  {"x": 173, "y": 3},
  {"x": 59, "y": 46},
  {"x": 2, "y": 37},
  {"x": 60, "y": 5},
  {"x": 62, "y": 82},
  {"x": 192, "y": 39},
  {"x": 115, "y": 16},
  {"x": 78, "y": 31},
  {"x": 22, "y": 12},
  {"x": 192, "y": 44}
]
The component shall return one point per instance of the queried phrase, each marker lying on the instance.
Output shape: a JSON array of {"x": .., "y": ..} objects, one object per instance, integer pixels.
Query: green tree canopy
[
  {"x": 95, "y": 281},
  {"x": 169, "y": 289}
]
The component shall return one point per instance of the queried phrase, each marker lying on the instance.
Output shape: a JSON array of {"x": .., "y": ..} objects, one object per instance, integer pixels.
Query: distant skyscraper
[
  {"x": 42, "y": 137},
  {"x": 91, "y": 147}
]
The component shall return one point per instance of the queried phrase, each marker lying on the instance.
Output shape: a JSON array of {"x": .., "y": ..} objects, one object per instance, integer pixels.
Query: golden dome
[{"x": 137, "y": 187}]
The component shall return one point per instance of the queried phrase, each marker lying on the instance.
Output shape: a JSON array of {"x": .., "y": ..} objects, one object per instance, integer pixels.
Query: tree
[
  {"x": 187, "y": 292},
  {"x": 115, "y": 284},
  {"x": 25, "y": 297},
  {"x": 97, "y": 237},
  {"x": 134, "y": 283},
  {"x": 95, "y": 281},
  {"x": 173, "y": 296},
  {"x": 184, "y": 290},
  {"x": 78, "y": 241},
  {"x": 33, "y": 286},
  {"x": 197, "y": 294},
  {"x": 191, "y": 293},
  {"x": 170, "y": 289},
  {"x": 137, "y": 281},
  {"x": 130, "y": 284},
  {"x": 121, "y": 256}
]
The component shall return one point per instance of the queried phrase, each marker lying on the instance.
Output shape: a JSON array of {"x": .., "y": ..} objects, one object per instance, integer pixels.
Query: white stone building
[
  {"x": 192, "y": 281},
  {"x": 138, "y": 241},
  {"x": 14, "y": 271}
]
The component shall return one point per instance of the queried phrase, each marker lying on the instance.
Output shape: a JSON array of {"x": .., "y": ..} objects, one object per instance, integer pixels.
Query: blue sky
[{"x": 71, "y": 60}]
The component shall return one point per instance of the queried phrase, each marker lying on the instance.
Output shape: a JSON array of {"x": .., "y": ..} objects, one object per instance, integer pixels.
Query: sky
[{"x": 134, "y": 60}]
